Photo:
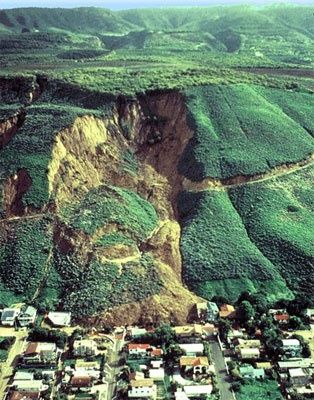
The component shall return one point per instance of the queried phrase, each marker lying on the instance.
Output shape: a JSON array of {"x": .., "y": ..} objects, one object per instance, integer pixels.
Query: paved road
[
  {"x": 114, "y": 368},
  {"x": 223, "y": 379},
  {"x": 15, "y": 351}
]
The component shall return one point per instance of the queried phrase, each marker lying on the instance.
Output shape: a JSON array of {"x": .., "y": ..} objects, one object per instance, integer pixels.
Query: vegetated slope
[
  {"x": 278, "y": 216},
  {"x": 219, "y": 258},
  {"x": 79, "y": 20},
  {"x": 241, "y": 132}
]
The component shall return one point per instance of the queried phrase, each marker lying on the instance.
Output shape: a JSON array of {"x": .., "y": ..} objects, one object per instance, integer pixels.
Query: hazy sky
[{"x": 121, "y": 4}]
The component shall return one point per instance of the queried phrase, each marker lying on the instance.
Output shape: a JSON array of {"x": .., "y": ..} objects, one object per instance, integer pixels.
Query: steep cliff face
[{"x": 137, "y": 148}]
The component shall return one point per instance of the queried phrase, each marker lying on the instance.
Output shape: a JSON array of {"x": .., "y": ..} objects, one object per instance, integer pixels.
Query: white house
[
  {"x": 60, "y": 319},
  {"x": 291, "y": 346},
  {"x": 9, "y": 316},
  {"x": 157, "y": 374},
  {"x": 198, "y": 390},
  {"x": 199, "y": 365},
  {"x": 84, "y": 347},
  {"x": 24, "y": 376},
  {"x": 193, "y": 349},
  {"x": 249, "y": 353},
  {"x": 144, "y": 388},
  {"x": 27, "y": 316},
  {"x": 29, "y": 386}
]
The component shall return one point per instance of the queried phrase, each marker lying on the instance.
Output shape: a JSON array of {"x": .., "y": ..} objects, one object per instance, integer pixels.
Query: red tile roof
[
  {"x": 139, "y": 346},
  {"x": 15, "y": 395},
  {"x": 281, "y": 317},
  {"x": 31, "y": 348},
  {"x": 156, "y": 352},
  {"x": 81, "y": 381}
]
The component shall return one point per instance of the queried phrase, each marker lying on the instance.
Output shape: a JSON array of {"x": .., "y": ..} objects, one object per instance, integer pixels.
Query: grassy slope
[
  {"x": 218, "y": 256},
  {"x": 239, "y": 132},
  {"x": 278, "y": 215}
]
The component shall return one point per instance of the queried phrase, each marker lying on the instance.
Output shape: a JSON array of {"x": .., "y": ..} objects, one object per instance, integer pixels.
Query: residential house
[
  {"x": 60, "y": 319},
  {"x": 198, "y": 365},
  {"x": 266, "y": 365},
  {"x": 193, "y": 349},
  {"x": 143, "y": 388},
  {"x": 156, "y": 374},
  {"x": 27, "y": 316},
  {"x": 81, "y": 382},
  {"x": 207, "y": 311},
  {"x": 180, "y": 395},
  {"x": 299, "y": 376},
  {"x": 24, "y": 376},
  {"x": 249, "y": 372},
  {"x": 249, "y": 353},
  {"x": 306, "y": 391},
  {"x": 136, "y": 333},
  {"x": 155, "y": 353},
  {"x": 248, "y": 343},
  {"x": 284, "y": 366},
  {"x": 87, "y": 368},
  {"x": 29, "y": 386},
  {"x": 198, "y": 391},
  {"x": 227, "y": 311},
  {"x": 235, "y": 334},
  {"x": 291, "y": 347},
  {"x": 282, "y": 318},
  {"x": 9, "y": 316},
  {"x": 195, "y": 331},
  {"x": 138, "y": 349},
  {"x": 17, "y": 395},
  {"x": 41, "y": 353},
  {"x": 84, "y": 348}
]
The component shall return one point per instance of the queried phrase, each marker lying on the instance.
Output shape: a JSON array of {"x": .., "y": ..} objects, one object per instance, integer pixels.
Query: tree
[
  {"x": 245, "y": 312},
  {"x": 165, "y": 335},
  {"x": 224, "y": 326},
  {"x": 295, "y": 323}
]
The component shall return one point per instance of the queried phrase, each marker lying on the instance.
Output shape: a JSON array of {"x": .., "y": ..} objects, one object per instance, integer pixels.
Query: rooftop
[
  {"x": 60, "y": 318},
  {"x": 138, "y": 346},
  {"x": 142, "y": 383},
  {"x": 193, "y": 361}
]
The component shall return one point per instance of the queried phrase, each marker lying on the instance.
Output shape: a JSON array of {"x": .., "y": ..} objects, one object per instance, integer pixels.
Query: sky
[{"x": 123, "y": 4}]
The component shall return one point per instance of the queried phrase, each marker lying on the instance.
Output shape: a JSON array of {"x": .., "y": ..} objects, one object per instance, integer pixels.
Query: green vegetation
[
  {"x": 278, "y": 216},
  {"x": 99, "y": 286},
  {"x": 267, "y": 389},
  {"x": 218, "y": 256},
  {"x": 47, "y": 335},
  {"x": 238, "y": 132},
  {"x": 115, "y": 238},
  {"x": 112, "y": 205},
  {"x": 5, "y": 345},
  {"x": 24, "y": 257}
]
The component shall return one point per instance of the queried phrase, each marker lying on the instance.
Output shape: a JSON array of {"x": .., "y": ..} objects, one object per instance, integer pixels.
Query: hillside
[{"x": 152, "y": 159}]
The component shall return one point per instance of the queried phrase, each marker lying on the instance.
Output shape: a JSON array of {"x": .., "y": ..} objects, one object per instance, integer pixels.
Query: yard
[{"x": 266, "y": 390}]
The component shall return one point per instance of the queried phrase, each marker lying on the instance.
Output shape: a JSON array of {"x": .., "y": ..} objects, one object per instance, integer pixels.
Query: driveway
[
  {"x": 223, "y": 379},
  {"x": 17, "y": 348}
]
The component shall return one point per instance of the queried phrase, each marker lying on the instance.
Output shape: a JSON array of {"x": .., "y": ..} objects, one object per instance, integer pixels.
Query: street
[
  {"x": 223, "y": 379},
  {"x": 15, "y": 351},
  {"x": 113, "y": 368}
]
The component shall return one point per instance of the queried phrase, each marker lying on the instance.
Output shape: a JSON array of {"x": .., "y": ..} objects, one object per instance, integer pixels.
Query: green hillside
[
  {"x": 238, "y": 131},
  {"x": 219, "y": 257}
]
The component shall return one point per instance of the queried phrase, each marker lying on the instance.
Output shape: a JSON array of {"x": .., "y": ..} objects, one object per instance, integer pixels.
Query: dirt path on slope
[{"x": 239, "y": 180}]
